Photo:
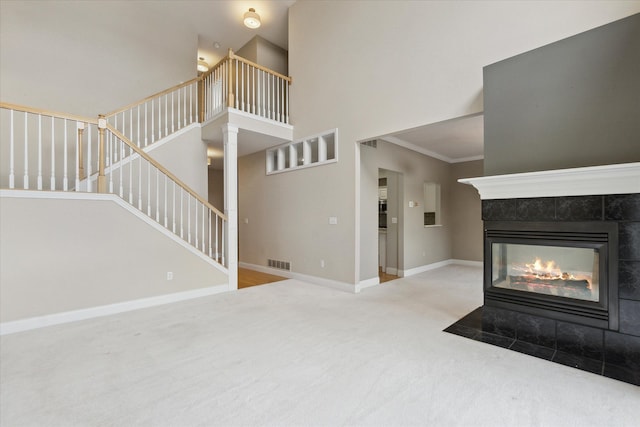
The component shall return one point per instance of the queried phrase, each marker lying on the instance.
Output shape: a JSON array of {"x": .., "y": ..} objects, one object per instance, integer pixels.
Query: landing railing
[
  {"x": 233, "y": 82},
  {"x": 62, "y": 152},
  {"x": 239, "y": 83}
]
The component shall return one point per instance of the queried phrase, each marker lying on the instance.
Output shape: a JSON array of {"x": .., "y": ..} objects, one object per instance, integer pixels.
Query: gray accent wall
[
  {"x": 466, "y": 213},
  {"x": 572, "y": 103}
]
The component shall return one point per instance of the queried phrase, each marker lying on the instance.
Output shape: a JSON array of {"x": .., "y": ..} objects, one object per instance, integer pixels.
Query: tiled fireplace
[{"x": 562, "y": 268}]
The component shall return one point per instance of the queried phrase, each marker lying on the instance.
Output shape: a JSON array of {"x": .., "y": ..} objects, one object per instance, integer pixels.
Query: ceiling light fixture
[
  {"x": 252, "y": 19},
  {"x": 203, "y": 67}
]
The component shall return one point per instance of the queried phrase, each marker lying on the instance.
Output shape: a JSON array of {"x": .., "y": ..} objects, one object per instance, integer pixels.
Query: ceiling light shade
[
  {"x": 252, "y": 19},
  {"x": 203, "y": 67}
]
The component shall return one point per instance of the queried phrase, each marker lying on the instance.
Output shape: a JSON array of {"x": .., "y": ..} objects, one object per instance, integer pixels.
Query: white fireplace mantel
[{"x": 594, "y": 180}]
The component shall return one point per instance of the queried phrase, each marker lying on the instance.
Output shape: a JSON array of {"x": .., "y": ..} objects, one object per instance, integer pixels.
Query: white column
[{"x": 230, "y": 136}]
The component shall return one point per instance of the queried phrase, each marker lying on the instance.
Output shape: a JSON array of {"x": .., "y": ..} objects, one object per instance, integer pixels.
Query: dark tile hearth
[{"x": 571, "y": 345}]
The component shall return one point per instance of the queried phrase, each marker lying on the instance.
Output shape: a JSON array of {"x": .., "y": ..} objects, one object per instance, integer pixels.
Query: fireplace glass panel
[{"x": 569, "y": 272}]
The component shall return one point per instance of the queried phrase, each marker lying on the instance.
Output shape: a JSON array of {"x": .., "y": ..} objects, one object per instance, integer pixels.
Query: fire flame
[{"x": 547, "y": 270}]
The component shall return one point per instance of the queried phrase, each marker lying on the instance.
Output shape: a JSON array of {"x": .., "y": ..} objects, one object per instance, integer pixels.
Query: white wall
[
  {"x": 185, "y": 156},
  {"x": 407, "y": 64},
  {"x": 90, "y": 57},
  {"x": 62, "y": 255}
]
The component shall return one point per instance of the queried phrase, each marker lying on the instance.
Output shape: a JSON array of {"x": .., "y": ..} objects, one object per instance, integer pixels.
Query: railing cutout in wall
[{"x": 316, "y": 150}]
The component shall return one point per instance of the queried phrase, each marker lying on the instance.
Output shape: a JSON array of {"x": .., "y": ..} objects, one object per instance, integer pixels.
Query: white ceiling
[
  {"x": 221, "y": 21},
  {"x": 457, "y": 140}
]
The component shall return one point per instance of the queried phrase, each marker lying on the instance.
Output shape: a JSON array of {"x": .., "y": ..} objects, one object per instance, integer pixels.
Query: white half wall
[{"x": 60, "y": 255}]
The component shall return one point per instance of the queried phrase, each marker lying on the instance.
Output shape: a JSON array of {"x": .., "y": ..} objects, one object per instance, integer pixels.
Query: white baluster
[
  {"x": 181, "y": 216},
  {"x": 140, "y": 182},
  {"x": 148, "y": 187},
  {"x": 39, "y": 178},
  {"x": 173, "y": 215},
  {"x": 279, "y": 90},
  {"x": 286, "y": 97},
  {"x": 65, "y": 178},
  {"x": 217, "y": 253},
  {"x": 12, "y": 176},
  {"x": 157, "y": 195},
  {"x": 166, "y": 115},
  {"x": 110, "y": 149},
  {"x": 53, "y": 155},
  {"x": 242, "y": 85},
  {"x": 253, "y": 89},
  {"x": 146, "y": 140},
  {"x": 172, "y": 108},
  {"x": 121, "y": 189},
  {"x": 131, "y": 127},
  {"x": 236, "y": 92},
  {"x": 165, "y": 201},
  {"x": 210, "y": 231},
  {"x": 79, "y": 125},
  {"x": 191, "y": 103},
  {"x": 268, "y": 95},
  {"x": 160, "y": 119},
  {"x": 153, "y": 129},
  {"x": 26, "y": 153},
  {"x": 138, "y": 127},
  {"x": 259, "y": 90},
  {"x": 177, "y": 107},
  {"x": 189, "y": 217},
  {"x": 203, "y": 226},
  {"x": 195, "y": 208},
  {"x": 89, "y": 186},
  {"x": 130, "y": 175},
  {"x": 222, "y": 231}
]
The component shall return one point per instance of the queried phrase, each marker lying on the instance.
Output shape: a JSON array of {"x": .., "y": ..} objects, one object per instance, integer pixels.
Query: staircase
[{"x": 44, "y": 151}]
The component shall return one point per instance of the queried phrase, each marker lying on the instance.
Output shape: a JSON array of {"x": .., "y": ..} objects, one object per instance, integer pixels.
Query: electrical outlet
[
  {"x": 322, "y": 263},
  {"x": 169, "y": 275}
]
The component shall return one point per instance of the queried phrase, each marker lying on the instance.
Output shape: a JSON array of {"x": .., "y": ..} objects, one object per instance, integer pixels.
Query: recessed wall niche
[{"x": 315, "y": 150}]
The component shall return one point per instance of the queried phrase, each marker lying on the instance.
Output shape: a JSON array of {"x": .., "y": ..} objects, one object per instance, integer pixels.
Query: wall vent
[{"x": 280, "y": 265}]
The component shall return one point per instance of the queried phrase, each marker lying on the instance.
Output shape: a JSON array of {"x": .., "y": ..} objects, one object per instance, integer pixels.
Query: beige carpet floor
[{"x": 297, "y": 354}]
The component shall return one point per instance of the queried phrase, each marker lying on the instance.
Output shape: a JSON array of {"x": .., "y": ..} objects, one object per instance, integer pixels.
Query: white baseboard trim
[
  {"x": 106, "y": 310},
  {"x": 364, "y": 284},
  {"x": 427, "y": 267},
  {"x": 343, "y": 286}
]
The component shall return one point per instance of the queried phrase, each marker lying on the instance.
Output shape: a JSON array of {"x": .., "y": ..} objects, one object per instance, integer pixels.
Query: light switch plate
[
  {"x": 394, "y": 220},
  {"x": 333, "y": 220}
]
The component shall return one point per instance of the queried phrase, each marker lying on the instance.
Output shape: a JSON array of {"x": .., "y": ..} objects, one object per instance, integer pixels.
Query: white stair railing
[
  {"x": 152, "y": 189},
  {"x": 47, "y": 151},
  {"x": 44, "y": 150},
  {"x": 157, "y": 116}
]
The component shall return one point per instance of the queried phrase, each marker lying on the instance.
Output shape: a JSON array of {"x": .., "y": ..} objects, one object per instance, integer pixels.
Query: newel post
[
  {"x": 200, "y": 89},
  {"x": 81, "y": 176},
  {"x": 102, "y": 179},
  {"x": 231, "y": 67}
]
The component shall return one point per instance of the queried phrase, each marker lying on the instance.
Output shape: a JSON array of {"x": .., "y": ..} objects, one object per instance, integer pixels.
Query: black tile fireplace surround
[{"x": 612, "y": 349}]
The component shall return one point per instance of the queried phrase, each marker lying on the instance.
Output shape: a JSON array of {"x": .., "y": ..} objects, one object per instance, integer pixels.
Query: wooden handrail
[
  {"x": 48, "y": 113},
  {"x": 150, "y": 97},
  {"x": 212, "y": 69},
  {"x": 260, "y": 67},
  {"x": 162, "y": 169}
]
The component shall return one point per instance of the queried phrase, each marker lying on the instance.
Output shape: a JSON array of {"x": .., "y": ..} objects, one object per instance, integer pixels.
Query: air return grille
[{"x": 280, "y": 265}]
